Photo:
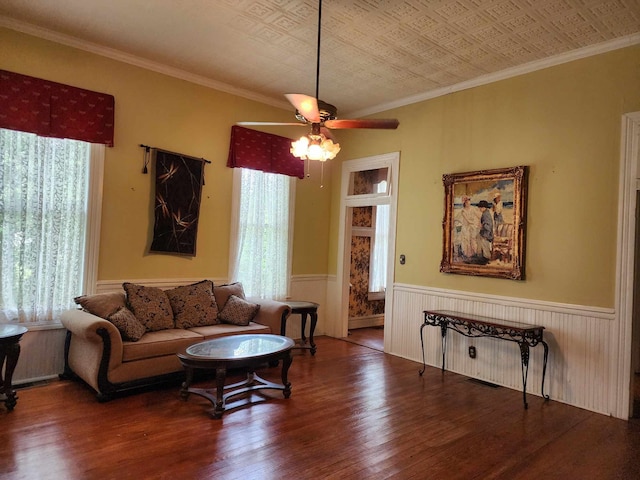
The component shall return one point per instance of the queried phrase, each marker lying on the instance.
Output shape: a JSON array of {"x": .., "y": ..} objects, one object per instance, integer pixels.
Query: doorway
[
  {"x": 367, "y": 266},
  {"x": 635, "y": 326},
  {"x": 367, "y": 239},
  {"x": 628, "y": 272}
]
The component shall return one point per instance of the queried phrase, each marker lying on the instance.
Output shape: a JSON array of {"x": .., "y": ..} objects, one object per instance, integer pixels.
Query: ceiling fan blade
[
  {"x": 306, "y": 105},
  {"x": 385, "y": 123},
  {"x": 271, "y": 124}
]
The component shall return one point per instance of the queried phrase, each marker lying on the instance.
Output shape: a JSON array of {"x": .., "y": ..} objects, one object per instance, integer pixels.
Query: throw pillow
[
  {"x": 238, "y": 311},
  {"x": 223, "y": 292},
  {"x": 150, "y": 305},
  {"x": 194, "y": 305},
  {"x": 127, "y": 324},
  {"x": 101, "y": 304}
]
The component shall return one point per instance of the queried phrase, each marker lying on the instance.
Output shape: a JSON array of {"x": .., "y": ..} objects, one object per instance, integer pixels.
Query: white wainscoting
[
  {"x": 581, "y": 342},
  {"x": 311, "y": 288},
  {"x": 41, "y": 355},
  {"x": 105, "y": 286}
]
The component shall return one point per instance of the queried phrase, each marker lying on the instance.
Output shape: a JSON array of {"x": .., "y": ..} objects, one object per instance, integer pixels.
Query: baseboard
[{"x": 364, "y": 322}]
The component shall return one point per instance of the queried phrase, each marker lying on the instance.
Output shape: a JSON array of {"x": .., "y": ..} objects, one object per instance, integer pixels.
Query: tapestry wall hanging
[
  {"x": 179, "y": 181},
  {"x": 484, "y": 223}
]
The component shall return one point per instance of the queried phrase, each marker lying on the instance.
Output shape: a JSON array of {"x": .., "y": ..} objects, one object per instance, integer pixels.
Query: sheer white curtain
[
  {"x": 379, "y": 257},
  {"x": 44, "y": 189},
  {"x": 261, "y": 239}
]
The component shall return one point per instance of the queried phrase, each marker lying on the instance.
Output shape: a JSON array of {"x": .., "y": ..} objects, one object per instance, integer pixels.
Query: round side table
[{"x": 10, "y": 335}]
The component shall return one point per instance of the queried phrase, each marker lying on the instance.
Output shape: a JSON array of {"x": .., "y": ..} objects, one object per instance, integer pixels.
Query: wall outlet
[{"x": 472, "y": 352}]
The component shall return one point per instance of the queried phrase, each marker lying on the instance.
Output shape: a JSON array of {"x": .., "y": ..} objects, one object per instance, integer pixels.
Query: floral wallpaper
[
  {"x": 362, "y": 217},
  {"x": 364, "y": 181},
  {"x": 359, "y": 304}
]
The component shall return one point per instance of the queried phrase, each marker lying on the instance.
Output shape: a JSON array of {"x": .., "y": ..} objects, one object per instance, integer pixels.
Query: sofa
[{"x": 122, "y": 341}]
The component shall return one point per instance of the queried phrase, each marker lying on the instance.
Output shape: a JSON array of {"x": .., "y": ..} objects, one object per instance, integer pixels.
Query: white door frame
[
  {"x": 620, "y": 398},
  {"x": 392, "y": 162}
]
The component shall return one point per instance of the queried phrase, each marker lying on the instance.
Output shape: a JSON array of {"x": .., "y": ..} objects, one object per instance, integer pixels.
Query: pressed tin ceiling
[{"x": 375, "y": 54}]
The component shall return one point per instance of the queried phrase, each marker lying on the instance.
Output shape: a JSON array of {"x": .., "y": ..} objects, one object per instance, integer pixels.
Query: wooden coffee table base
[
  {"x": 10, "y": 335},
  {"x": 220, "y": 395}
]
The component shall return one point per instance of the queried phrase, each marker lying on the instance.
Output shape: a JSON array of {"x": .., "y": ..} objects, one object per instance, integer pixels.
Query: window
[
  {"x": 262, "y": 232},
  {"x": 50, "y": 200}
]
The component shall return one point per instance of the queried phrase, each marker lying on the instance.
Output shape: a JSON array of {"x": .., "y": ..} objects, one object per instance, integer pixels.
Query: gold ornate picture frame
[{"x": 484, "y": 223}]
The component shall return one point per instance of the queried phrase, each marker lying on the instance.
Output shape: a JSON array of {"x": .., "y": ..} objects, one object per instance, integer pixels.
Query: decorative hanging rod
[{"x": 147, "y": 156}]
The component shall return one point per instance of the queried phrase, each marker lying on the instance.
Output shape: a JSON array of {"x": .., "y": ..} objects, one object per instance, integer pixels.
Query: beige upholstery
[
  {"x": 158, "y": 344},
  {"x": 96, "y": 353}
]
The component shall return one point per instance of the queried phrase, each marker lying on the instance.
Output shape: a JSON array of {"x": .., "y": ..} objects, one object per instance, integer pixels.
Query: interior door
[{"x": 366, "y": 182}]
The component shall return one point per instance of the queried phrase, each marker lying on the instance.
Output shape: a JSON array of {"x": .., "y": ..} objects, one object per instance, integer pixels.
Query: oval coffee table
[{"x": 236, "y": 351}]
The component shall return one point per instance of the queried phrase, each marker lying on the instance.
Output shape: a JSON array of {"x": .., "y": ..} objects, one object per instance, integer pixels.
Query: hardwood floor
[
  {"x": 354, "y": 413},
  {"x": 636, "y": 395},
  {"x": 372, "y": 337}
]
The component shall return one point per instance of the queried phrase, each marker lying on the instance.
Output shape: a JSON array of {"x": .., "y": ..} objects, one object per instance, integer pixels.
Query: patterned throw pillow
[
  {"x": 223, "y": 292},
  {"x": 150, "y": 305},
  {"x": 238, "y": 311},
  {"x": 127, "y": 324},
  {"x": 101, "y": 304},
  {"x": 194, "y": 305}
]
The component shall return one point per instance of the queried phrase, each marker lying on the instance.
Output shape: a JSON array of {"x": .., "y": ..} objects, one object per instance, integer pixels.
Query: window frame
[{"x": 94, "y": 220}]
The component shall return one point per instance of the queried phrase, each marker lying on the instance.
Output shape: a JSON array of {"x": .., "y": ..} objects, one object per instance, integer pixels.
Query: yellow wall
[
  {"x": 179, "y": 116},
  {"x": 564, "y": 122}
]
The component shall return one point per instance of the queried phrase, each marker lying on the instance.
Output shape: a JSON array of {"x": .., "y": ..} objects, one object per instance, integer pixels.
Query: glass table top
[
  {"x": 8, "y": 330},
  {"x": 237, "y": 347}
]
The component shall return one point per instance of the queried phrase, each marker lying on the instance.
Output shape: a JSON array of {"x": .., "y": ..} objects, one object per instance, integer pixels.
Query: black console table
[{"x": 523, "y": 334}]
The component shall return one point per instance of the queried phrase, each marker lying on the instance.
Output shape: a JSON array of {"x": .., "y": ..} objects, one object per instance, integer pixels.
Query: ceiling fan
[{"x": 322, "y": 117}]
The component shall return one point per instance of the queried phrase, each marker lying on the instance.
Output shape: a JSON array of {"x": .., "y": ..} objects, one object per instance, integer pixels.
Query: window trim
[{"x": 94, "y": 220}]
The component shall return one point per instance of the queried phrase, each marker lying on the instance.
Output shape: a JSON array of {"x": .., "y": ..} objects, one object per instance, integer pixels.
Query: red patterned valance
[
  {"x": 52, "y": 109},
  {"x": 263, "y": 151}
]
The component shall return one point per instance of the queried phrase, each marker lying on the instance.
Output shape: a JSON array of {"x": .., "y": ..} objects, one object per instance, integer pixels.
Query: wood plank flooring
[
  {"x": 354, "y": 413},
  {"x": 372, "y": 337}
]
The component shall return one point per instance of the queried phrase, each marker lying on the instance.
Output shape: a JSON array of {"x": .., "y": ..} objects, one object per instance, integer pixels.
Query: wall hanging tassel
[{"x": 146, "y": 157}]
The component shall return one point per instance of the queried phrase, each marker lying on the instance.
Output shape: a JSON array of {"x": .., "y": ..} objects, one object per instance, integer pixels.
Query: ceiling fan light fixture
[
  {"x": 315, "y": 147},
  {"x": 319, "y": 145}
]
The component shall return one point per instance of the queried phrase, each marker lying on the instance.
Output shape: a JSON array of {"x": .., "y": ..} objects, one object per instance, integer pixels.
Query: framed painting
[{"x": 484, "y": 223}]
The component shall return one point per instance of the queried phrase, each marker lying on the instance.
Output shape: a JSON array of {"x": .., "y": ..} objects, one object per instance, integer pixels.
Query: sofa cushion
[
  {"x": 193, "y": 305},
  {"x": 224, "y": 329},
  {"x": 223, "y": 292},
  {"x": 150, "y": 305},
  {"x": 127, "y": 324},
  {"x": 238, "y": 311},
  {"x": 101, "y": 304},
  {"x": 159, "y": 343}
]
